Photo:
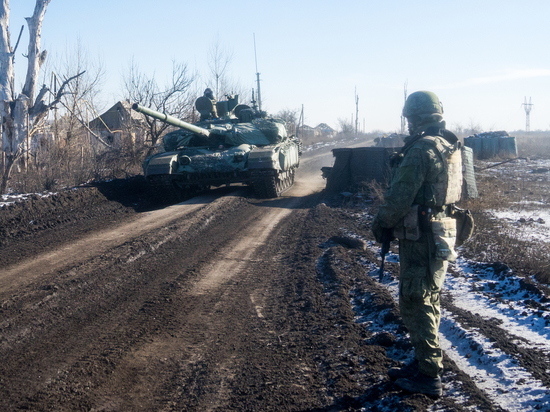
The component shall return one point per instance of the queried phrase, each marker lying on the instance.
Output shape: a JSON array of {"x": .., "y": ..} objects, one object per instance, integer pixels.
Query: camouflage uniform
[
  {"x": 421, "y": 275},
  {"x": 206, "y": 105}
]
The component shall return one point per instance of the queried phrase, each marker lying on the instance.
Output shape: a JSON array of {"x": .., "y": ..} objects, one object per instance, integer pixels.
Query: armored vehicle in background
[{"x": 242, "y": 145}]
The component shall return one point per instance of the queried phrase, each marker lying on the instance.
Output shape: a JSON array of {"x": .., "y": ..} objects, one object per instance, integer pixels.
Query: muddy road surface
[
  {"x": 108, "y": 307},
  {"x": 110, "y": 302}
]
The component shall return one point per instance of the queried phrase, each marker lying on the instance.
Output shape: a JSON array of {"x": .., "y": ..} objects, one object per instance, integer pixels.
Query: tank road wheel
[
  {"x": 270, "y": 186},
  {"x": 286, "y": 180},
  {"x": 290, "y": 179},
  {"x": 187, "y": 191},
  {"x": 163, "y": 190},
  {"x": 265, "y": 187}
]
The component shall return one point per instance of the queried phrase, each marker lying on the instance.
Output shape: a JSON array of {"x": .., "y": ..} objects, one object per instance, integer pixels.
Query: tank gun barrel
[{"x": 170, "y": 120}]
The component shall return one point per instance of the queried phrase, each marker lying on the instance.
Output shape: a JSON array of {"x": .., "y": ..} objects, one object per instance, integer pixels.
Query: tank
[{"x": 242, "y": 145}]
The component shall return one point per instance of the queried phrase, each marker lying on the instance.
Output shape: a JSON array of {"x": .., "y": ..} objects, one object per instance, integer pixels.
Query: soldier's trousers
[{"x": 421, "y": 279}]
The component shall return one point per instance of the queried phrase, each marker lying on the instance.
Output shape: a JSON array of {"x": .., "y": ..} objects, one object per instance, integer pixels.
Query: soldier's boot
[
  {"x": 406, "y": 371},
  {"x": 421, "y": 383}
]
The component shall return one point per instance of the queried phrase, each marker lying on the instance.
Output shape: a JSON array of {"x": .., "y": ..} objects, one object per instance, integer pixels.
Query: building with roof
[
  {"x": 324, "y": 130},
  {"x": 120, "y": 124}
]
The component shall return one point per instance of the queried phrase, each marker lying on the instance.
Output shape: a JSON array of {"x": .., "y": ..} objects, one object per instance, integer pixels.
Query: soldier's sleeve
[{"x": 405, "y": 184}]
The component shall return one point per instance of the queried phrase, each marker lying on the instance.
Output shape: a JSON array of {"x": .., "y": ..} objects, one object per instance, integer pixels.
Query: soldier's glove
[
  {"x": 381, "y": 234},
  {"x": 377, "y": 230}
]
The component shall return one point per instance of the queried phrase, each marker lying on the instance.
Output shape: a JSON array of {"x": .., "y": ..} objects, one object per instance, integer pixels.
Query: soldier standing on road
[{"x": 426, "y": 180}]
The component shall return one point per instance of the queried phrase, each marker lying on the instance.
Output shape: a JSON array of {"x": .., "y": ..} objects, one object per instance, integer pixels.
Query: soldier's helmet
[
  {"x": 421, "y": 103},
  {"x": 209, "y": 93}
]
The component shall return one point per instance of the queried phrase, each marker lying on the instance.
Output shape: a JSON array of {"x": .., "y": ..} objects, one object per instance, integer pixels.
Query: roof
[
  {"x": 325, "y": 127},
  {"x": 116, "y": 117}
]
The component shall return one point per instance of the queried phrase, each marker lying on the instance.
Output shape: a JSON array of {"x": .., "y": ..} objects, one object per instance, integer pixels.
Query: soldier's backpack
[{"x": 463, "y": 217}]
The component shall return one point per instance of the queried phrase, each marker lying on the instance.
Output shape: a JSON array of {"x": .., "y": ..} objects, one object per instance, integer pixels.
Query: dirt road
[
  {"x": 221, "y": 303},
  {"x": 165, "y": 309}
]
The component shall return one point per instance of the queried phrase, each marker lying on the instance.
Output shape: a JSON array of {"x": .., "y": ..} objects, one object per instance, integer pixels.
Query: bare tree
[
  {"x": 290, "y": 116},
  {"x": 346, "y": 126},
  {"x": 219, "y": 60},
  {"x": 458, "y": 129},
  {"x": 175, "y": 99},
  {"x": 473, "y": 128},
  {"x": 219, "y": 63},
  {"x": 73, "y": 140},
  {"x": 22, "y": 115},
  {"x": 83, "y": 91}
]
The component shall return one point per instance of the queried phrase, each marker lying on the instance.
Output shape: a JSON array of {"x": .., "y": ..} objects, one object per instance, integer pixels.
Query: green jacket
[{"x": 417, "y": 168}]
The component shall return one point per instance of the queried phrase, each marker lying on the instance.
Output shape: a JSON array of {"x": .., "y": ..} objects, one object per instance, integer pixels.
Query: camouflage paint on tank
[{"x": 213, "y": 153}]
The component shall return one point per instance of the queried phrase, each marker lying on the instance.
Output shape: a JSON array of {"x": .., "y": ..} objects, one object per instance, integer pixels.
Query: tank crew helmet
[
  {"x": 421, "y": 108},
  {"x": 208, "y": 93}
]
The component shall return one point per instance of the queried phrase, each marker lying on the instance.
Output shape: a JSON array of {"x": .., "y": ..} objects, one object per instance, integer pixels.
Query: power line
[{"x": 527, "y": 107}]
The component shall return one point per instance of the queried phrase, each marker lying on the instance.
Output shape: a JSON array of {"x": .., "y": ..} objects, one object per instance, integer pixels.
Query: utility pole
[
  {"x": 403, "y": 120},
  {"x": 356, "y": 110},
  {"x": 527, "y": 107},
  {"x": 301, "y": 124},
  {"x": 257, "y": 76}
]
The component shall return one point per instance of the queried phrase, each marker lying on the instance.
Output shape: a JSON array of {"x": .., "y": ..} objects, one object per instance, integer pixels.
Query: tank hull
[
  {"x": 269, "y": 169},
  {"x": 248, "y": 148}
]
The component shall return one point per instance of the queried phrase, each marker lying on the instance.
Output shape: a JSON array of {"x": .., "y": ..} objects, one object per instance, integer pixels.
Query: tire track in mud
[
  {"x": 534, "y": 361},
  {"x": 206, "y": 350},
  {"x": 239, "y": 254},
  {"x": 528, "y": 354},
  {"x": 141, "y": 323},
  {"x": 510, "y": 366},
  {"x": 102, "y": 242},
  {"x": 376, "y": 311},
  {"x": 507, "y": 368},
  {"x": 79, "y": 316},
  {"x": 509, "y": 352}
]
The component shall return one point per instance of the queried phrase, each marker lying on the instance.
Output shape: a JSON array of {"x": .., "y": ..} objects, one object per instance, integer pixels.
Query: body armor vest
[{"x": 449, "y": 189}]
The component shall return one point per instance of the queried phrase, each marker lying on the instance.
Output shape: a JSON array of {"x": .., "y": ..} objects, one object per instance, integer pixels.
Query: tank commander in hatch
[
  {"x": 206, "y": 105},
  {"x": 426, "y": 180},
  {"x": 210, "y": 94}
]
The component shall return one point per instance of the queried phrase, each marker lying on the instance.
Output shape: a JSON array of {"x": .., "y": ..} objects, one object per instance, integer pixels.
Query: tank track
[
  {"x": 168, "y": 191},
  {"x": 163, "y": 189},
  {"x": 268, "y": 184}
]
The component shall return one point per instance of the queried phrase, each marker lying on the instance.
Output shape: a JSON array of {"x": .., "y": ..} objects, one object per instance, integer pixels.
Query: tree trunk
[
  {"x": 10, "y": 162},
  {"x": 14, "y": 110},
  {"x": 6, "y": 54},
  {"x": 35, "y": 58}
]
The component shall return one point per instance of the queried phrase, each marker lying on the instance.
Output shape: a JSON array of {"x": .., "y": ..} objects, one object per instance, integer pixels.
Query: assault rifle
[{"x": 387, "y": 236}]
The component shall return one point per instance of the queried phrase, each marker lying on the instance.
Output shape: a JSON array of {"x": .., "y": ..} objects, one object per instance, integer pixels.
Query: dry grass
[
  {"x": 374, "y": 191},
  {"x": 511, "y": 187},
  {"x": 59, "y": 165},
  {"x": 534, "y": 145}
]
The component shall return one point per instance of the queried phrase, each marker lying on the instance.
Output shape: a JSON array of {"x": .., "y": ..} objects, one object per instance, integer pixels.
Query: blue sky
[{"x": 482, "y": 58}]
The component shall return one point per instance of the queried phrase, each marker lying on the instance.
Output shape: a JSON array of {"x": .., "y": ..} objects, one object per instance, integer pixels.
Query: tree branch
[
  {"x": 87, "y": 128},
  {"x": 39, "y": 108},
  {"x": 19, "y": 38}
]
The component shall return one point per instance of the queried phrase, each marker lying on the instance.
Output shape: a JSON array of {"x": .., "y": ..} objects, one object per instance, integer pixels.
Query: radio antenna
[{"x": 257, "y": 76}]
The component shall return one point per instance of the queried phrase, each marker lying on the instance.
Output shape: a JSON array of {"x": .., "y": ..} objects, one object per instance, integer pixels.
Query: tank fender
[
  {"x": 264, "y": 157},
  {"x": 161, "y": 164},
  {"x": 289, "y": 157}
]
